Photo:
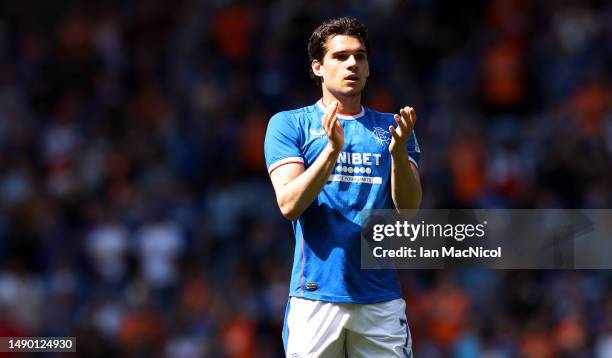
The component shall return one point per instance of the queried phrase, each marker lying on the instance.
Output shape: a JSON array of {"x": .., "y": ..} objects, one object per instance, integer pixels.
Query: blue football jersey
[{"x": 327, "y": 259}]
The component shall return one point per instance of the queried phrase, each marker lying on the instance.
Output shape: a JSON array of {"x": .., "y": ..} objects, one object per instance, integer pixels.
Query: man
[{"x": 327, "y": 163}]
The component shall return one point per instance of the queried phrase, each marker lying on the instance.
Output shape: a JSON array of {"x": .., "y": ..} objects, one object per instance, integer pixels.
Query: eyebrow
[{"x": 343, "y": 52}]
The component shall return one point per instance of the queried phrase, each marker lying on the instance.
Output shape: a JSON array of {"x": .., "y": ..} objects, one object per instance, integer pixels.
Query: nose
[{"x": 351, "y": 61}]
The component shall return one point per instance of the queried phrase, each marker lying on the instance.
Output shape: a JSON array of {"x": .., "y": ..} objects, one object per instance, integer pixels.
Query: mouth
[{"x": 352, "y": 78}]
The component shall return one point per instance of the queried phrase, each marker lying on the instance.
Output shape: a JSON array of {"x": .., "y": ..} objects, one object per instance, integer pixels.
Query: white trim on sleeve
[{"x": 284, "y": 161}]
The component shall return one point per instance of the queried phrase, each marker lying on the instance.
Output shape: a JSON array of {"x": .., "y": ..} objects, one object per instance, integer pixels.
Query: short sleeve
[
  {"x": 282, "y": 142},
  {"x": 414, "y": 151}
]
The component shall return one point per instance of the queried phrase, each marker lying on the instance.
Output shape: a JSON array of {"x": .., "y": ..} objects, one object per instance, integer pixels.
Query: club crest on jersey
[
  {"x": 317, "y": 132},
  {"x": 382, "y": 136}
]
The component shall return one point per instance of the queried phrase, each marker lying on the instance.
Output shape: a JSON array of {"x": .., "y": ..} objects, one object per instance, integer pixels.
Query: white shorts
[{"x": 328, "y": 329}]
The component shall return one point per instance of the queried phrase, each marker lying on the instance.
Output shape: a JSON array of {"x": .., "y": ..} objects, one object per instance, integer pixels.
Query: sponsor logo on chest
[{"x": 354, "y": 167}]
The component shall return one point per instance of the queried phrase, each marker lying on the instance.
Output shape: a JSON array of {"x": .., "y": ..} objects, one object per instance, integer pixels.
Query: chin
[
  {"x": 351, "y": 90},
  {"x": 347, "y": 91}
]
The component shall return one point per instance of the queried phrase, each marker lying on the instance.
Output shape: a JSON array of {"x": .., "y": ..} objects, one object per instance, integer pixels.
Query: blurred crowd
[{"x": 135, "y": 208}]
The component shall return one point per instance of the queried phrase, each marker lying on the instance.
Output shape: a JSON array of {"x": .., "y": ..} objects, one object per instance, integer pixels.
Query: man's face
[{"x": 345, "y": 68}]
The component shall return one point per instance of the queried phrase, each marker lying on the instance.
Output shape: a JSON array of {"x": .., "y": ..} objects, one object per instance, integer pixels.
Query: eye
[{"x": 342, "y": 57}]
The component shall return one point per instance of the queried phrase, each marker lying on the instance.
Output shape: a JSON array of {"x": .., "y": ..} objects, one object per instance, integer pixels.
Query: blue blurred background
[{"x": 135, "y": 208}]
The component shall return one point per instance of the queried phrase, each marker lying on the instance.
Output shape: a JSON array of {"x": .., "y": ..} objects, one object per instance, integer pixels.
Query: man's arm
[
  {"x": 405, "y": 182},
  {"x": 297, "y": 188}
]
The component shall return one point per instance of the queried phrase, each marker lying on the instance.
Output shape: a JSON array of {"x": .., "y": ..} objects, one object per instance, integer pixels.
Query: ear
[{"x": 316, "y": 68}]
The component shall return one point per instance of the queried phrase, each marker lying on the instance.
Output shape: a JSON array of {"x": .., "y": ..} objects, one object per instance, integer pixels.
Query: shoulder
[
  {"x": 293, "y": 116},
  {"x": 295, "y": 120}
]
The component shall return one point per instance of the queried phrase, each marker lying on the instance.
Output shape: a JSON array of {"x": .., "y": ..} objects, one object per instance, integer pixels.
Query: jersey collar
[{"x": 342, "y": 115}]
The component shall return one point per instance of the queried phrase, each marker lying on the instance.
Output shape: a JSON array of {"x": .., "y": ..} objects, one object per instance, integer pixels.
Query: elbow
[
  {"x": 289, "y": 211},
  {"x": 287, "y": 206}
]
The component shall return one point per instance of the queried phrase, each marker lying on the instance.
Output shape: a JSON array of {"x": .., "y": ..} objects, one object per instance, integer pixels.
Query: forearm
[
  {"x": 295, "y": 196},
  {"x": 405, "y": 183}
]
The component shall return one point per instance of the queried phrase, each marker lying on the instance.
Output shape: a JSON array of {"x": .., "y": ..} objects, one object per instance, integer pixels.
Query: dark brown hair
[{"x": 332, "y": 27}]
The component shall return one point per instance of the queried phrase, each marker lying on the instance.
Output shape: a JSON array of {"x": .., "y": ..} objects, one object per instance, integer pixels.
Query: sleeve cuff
[{"x": 281, "y": 162}]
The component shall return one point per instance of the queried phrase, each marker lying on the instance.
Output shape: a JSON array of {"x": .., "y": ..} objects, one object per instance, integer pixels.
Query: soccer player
[{"x": 328, "y": 162}]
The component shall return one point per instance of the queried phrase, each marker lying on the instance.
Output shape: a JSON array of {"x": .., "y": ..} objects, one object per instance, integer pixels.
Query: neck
[{"x": 346, "y": 105}]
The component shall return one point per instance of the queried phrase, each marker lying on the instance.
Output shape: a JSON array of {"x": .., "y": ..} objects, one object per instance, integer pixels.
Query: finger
[
  {"x": 333, "y": 123},
  {"x": 327, "y": 114},
  {"x": 334, "y": 109},
  {"x": 325, "y": 120},
  {"x": 405, "y": 116},
  {"x": 402, "y": 122},
  {"x": 326, "y": 123},
  {"x": 401, "y": 126},
  {"x": 412, "y": 117},
  {"x": 394, "y": 134},
  {"x": 332, "y": 117}
]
